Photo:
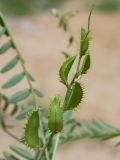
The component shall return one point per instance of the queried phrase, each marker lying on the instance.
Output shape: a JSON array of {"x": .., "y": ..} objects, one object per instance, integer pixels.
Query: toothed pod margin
[
  {"x": 31, "y": 129},
  {"x": 55, "y": 117},
  {"x": 73, "y": 97}
]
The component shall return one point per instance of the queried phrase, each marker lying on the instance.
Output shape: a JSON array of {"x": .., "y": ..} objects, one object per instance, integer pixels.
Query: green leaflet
[
  {"x": 21, "y": 152},
  {"x": 2, "y": 32},
  {"x": 63, "y": 22},
  {"x": 65, "y": 68},
  {"x": 31, "y": 130},
  {"x": 10, "y": 65},
  {"x": 85, "y": 65},
  {"x": 19, "y": 96},
  {"x": 73, "y": 97},
  {"x": 91, "y": 125},
  {"x": 66, "y": 55},
  {"x": 14, "y": 80},
  {"x": 6, "y": 47},
  {"x": 84, "y": 44},
  {"x": 14, "y": 110},
  {"x": 24, "y": 112},
  {"x": 55, "y": 117},
  {"x": 38, "y": 93},
  {"x": 9, "y": 156},
  {"x": 67, "y": 116},
  {"x": 83, "y": 34},
  {"x": 30, "y": 77},
  {"x": 1, "y": 19}
]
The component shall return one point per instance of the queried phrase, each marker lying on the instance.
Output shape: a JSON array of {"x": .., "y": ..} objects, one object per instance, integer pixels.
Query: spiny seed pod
[
  {"x": 31, "y": 136},
  {"x": 55, "y": 118},
  {"x": 73, "y": 97}
]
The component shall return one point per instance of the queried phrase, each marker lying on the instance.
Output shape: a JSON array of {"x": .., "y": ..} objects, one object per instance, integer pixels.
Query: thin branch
[
  {"x": 12, "y": 135},
  {"x": 41, "y": 152},
  {"x": 55, "y": 146}
]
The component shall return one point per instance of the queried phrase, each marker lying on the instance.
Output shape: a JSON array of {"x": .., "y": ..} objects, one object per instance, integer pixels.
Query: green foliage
[
  {"x": 64, "y": 18},
  {"x": 6, "y": 105},
  {"x": 38, "y": 93},
  {"x": 66, "y": 55},
  {"x": 14, "y": 111},
  {"x": 73, "y": 97},
  {"x": 21, "y": 152},
  {"x": 19, "y": 96},
  {"x": 95, "y": 129},
  {"x": 31, "y": 135},
  {"x": 30, "y": 77},
  {"x": 5, "y": 47},
  {"x": 67, "y": 116},
  {"x": 65, "y": 69},
  {"x": 23, "y": 114},
  {"x": 11, "y": 64},
  {"x": 84, "y": 44},
  {"x": 55, "y": 118},
  {"x": 9, "y": 156},
  {"x": 2, "y": 32},
  {"x": 14, "y": 80},
  {"x": 32, "y": 126},
  {"x": 86, "y": 64}
]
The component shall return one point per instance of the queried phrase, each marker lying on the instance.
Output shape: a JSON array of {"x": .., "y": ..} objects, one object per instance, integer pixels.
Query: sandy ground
[{"x": 41, "y": 42}]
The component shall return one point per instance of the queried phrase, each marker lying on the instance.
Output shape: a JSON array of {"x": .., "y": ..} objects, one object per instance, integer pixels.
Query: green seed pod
[
  {"x": 73, "y": 97},
  {"x": 31, "y": 136},
  {"x": 55, "y": 118}
]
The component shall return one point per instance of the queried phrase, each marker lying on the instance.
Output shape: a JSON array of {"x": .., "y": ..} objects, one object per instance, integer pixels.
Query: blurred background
[{"x": 41, "y": 42}]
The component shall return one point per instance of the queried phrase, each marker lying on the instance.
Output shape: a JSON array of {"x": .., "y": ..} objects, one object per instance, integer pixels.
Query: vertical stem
[
  {"x": 55, "y": 146},
  {"x": 39, "y": 156},
  {"x": 44, "y": 141}
]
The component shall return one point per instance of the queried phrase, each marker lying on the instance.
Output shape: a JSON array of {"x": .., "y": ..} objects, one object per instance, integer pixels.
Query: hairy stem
[
  {"x": 44, "y": 141},
  {"x": 41, "y": 152},
  {"x": 55, "y": 146}
]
